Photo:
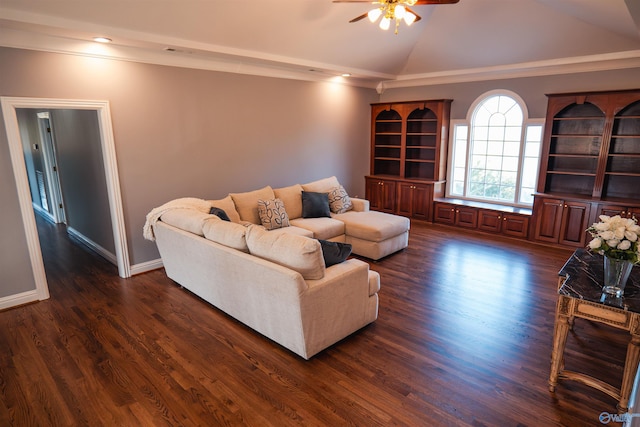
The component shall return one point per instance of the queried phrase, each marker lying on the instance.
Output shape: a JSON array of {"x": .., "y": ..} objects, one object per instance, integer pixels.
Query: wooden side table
[{"x": 580, "y": 295}]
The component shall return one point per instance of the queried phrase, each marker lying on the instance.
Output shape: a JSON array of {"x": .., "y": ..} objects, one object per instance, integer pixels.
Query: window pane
[
  {"x": 532, "y": 149},
  {"x": 530, "y": 163},
  {"x": 512, "y": 148},
  {"x": 459, "y": 160},
  {"x": 480, "y": 147},
  {"x": 494, "y": 162}
]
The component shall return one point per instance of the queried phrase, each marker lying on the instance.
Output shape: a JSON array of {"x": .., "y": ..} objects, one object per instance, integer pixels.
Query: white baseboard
[
  {"x": 143, "y": 267},
  {"x": 18, "y": 299},
  {"x": 44, "y": 214},
  {"x": 93, "y": 246}
]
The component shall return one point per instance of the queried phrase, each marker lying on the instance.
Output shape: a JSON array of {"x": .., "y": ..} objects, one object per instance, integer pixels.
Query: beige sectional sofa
[{"x": 277, "y": 281}]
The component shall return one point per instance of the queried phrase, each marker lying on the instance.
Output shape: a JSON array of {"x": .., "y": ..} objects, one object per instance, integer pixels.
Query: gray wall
[
  {"x": 34, "y": 161},
  {"x": 531, "y": 89},
  {"x": 82, "y": 175},
  {"x": 15, "y": 267},
  {"x": 181, "y": 132}
]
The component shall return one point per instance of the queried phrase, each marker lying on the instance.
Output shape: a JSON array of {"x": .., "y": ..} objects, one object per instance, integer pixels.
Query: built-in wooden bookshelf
[
  {"x": 408, "y": 156},
  {"x": 590, "y": 163}
]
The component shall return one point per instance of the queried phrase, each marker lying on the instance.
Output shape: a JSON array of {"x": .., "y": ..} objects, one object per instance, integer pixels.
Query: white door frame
[
  {"x": 9, "y": 106},
  {"x": 50, "y": 161}
]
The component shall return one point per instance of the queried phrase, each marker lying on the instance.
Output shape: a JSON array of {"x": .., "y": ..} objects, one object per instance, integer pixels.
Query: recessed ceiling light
[
  {"x": 346, "y": 74},
  {"x": 102, "y": 39}
]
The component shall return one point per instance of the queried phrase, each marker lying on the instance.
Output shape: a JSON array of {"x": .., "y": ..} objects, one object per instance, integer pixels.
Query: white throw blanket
[{"x": 183, "y": 203}]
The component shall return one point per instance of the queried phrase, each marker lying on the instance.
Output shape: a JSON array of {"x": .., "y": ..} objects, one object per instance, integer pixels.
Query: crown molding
[
  {"x": 577, "y": 64},
  {"x": 201, "y": 57}
]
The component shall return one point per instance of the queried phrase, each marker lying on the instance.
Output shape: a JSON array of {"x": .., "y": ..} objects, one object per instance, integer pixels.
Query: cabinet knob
[
  {"x": 457, "y": 211},
  {"x": 560, "y": 204},
  {"x": 565, "y": 206},
  {"x": 504, "y": 219},
  {"x": 452, "y": 209}
]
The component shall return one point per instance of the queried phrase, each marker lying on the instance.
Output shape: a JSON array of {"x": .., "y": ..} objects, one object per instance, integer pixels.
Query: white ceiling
[{"x": 474, "y": 39}]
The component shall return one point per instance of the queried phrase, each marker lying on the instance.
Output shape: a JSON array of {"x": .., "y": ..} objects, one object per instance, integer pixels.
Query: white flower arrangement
[{"x": 616, "y": 237}]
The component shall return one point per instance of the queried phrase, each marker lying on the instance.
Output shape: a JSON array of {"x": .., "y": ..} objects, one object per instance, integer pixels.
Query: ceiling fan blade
[
  {"x": 357, "y": 18},
  {"x": 418, "y": 17},
  {"x": 419, "y": 2}
]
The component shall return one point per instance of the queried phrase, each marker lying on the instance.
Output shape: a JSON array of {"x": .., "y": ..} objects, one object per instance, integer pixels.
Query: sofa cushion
[
  {"x": 298, "y": 253},
  {"x": 339, "y": 201},
  {"x": 322, "y": 228},
  {"x": 334, "y": 252},
  {"x": 292, "y": 229},
  {"x": 373, "y": 226},
  {"x": 226, "y": 233},
  {"x": 189, "y": 220},
  {"x": 247, "y": 203},
  {"x": 315, "y": 205},
  {"x": 322, "y": 185},
  {"x": 228, "y": 207},
  {"x": 272, "y": 214},
  {"x": 292, "y": 198}
]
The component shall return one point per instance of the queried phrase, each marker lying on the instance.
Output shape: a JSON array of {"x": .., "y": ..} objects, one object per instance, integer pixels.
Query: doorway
[{"x": 9, "y": 107}]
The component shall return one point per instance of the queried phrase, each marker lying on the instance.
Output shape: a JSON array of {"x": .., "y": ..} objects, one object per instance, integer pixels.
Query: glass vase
[{"x": 616, "y": 274}]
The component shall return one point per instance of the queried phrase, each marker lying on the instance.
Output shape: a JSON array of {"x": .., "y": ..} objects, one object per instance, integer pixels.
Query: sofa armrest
[
  {"x": 338, "y": 304},
  {"x": 360, "y": 205}
]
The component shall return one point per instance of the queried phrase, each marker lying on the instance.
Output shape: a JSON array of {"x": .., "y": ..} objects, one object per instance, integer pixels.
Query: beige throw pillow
[
  {"x": 322, "y": 185},
  {"x": 228, "y": 207},
  {"x": 292, "y": 198},
  {"x": 247, "y": 203}
]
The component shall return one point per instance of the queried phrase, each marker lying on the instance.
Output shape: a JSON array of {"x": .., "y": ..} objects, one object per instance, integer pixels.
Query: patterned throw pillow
[
  {"x": 339, "y": 200},
  {"x": 272, "y": 214}
]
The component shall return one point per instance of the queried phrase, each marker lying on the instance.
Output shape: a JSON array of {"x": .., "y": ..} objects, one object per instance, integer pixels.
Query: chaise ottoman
[{"x": 375, "y": 234}]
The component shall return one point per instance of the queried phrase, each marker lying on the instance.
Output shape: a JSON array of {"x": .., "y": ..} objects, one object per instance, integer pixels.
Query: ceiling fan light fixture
[
  {"x": 385, "y": 23},
  {"x": 399, "y": 11},
  {"x": 409, "y": 18},
  {"x": 374, "y": 14}
]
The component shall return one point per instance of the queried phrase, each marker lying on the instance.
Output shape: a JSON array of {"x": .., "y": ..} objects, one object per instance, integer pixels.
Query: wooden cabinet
[
  {"x": 509, "y": 224},
  {"x": 415, "y": 200},
  {"x": 590, "y": 162},
  {"x": 479, "y": 217},
  {"x": 561, "y": 221},
  {"x": 453, "y": 214},
  {"x": 381, "y": 194},
  {"x": 622, "y": 210},
  {"x": 409, "y": 146}
]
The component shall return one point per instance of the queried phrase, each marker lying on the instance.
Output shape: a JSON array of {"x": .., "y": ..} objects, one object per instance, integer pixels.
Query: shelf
[
  {"x": 389, "y": 133},
  {"x": 419, "y": 161},
  {"x": 634, "y": 174},
  {"x": 577, "y": 173},
  {"x": 393, "y": 159},
  {"x": 579, "y": 156}
]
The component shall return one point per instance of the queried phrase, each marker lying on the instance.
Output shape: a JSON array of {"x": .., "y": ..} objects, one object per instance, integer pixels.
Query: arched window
[{"x": 495, "y": 152}]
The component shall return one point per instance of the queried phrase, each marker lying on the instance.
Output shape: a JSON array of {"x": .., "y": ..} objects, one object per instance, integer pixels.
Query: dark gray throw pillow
[
  {"x": 334, "y": 252},
  {"x": 315, "y": 205},
  {"x": 219, "y": 213}
]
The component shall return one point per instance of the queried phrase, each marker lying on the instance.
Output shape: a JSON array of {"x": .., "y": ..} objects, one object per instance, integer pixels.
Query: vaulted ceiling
[{"x": 312, "y": 39}]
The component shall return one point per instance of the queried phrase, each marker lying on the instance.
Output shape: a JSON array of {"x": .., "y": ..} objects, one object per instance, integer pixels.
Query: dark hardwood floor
[{"x": 463, "y": 338}]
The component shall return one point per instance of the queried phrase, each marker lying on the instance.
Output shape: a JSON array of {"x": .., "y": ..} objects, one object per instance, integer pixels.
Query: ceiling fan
[{"x": 390, "y": 10}]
